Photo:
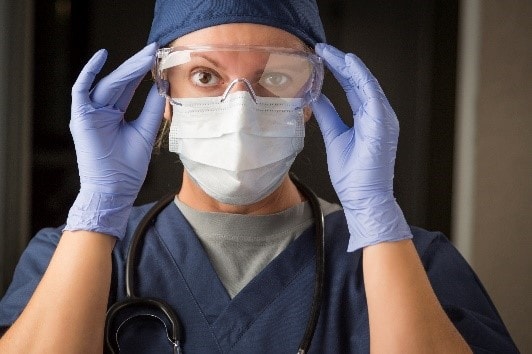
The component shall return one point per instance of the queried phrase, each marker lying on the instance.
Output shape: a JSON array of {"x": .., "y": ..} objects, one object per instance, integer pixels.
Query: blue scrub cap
[{"x": 175, "y": 18}]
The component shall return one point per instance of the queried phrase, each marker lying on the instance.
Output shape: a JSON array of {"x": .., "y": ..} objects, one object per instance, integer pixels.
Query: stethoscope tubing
[
  {"x": 174, "y": 333},
  {"x": 317, "y": 297}
]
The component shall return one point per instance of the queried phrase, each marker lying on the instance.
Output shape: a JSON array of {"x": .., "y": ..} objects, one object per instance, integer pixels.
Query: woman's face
[{"x": 200, "y": 75}]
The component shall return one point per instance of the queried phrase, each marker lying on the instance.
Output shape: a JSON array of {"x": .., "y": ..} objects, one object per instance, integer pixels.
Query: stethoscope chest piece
[
  {"x": 133, "y": 307},
  {"x": 124, "y": 312}
]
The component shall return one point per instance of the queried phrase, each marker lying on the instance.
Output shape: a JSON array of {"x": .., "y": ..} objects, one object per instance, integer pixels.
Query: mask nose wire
[{"x": 236, "y": 81}]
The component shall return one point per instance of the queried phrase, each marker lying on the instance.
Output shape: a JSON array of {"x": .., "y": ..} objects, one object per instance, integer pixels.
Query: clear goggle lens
[{"x": 214, "y": 71}]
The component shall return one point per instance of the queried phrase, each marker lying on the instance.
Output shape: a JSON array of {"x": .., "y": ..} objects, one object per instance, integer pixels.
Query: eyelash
[
  {"x": 219, "y": 81},
  {"x": 201, "y": 71}
]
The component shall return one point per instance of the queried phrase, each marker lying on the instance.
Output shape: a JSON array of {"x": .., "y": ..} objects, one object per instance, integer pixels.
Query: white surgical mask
[{"x": 238, "y": 151}]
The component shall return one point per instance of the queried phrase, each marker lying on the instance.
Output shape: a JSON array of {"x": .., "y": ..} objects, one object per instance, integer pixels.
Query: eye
[
  {"x": 275, "y": 80},
  {"x": 202, "y": 77}
]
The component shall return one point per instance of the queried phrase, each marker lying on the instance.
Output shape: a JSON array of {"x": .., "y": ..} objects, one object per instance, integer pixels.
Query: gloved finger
[
  {"x": 120, "y": 85},
  {"x": 380, "y": 121},
  {"x": 122, "y": 102},
  {"x": 366, "y": 83},
  {"x": 149, "y": 120},
  {"x": 82, "y": 86},
  {"x": 117, "y": 84},
  {"x": 346, "y": 66},
  {"x": 335, "y": 60},
  {"x": 330, "y": 123},
  {"x": 109, "y": 90}
]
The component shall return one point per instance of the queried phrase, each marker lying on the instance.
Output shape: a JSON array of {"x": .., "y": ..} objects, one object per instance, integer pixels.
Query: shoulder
[
  {"x": 424, "y": 240},
  {"x": 40, "y": 248},
  {"x": 28, "y": 272}
]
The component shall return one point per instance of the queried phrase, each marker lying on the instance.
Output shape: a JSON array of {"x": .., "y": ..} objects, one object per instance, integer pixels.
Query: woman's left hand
[{"x": 361, "y": 158}]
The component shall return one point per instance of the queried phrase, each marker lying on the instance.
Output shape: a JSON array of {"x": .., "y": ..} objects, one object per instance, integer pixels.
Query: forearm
[
  {"x": 66, "y": 313},
  {"x": 404, "y": 314}
]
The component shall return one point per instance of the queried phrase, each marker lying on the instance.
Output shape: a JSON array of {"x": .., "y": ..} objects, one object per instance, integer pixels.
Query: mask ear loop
[{"x": 236, "y": 81}]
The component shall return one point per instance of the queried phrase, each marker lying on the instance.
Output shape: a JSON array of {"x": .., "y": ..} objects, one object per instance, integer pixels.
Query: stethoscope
[{"x": 173, "y": 332}]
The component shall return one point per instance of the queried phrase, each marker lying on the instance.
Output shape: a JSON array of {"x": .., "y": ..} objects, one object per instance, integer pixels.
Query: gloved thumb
[
  {"x": 330, "y": 123},
  {"x": 150, "y": 119}
]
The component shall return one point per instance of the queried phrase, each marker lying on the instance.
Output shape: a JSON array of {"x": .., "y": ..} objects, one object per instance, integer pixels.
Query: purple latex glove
[
  {"x": 361, "y": 158},
  {"x": 112, "y": 154}
]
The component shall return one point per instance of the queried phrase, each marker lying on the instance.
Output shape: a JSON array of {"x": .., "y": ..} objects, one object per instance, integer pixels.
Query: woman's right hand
[{"x": 113, "y": 155}]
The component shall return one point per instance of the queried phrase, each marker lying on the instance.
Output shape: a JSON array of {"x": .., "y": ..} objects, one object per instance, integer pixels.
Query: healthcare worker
[{"x": 233, "y": 253}]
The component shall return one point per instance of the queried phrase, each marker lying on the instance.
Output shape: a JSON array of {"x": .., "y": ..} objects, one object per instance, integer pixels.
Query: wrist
[
  {"x": 376, "y": 220},
  {"x": 100, "y": 212}
]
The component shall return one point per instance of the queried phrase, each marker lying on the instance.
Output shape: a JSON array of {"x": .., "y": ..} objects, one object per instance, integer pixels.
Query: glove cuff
[
  {"x": 100, "y": 212},
  {"x": 382, "y": 222}
]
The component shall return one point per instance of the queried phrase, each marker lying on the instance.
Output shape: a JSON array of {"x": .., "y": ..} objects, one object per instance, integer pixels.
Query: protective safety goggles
[{"x": 215, "y": 71}]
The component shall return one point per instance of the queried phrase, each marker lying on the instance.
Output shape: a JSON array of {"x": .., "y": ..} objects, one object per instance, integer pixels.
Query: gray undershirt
[{"x": 240, "y": 246}]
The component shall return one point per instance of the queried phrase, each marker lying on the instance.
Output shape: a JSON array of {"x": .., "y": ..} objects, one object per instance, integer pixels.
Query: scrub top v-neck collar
[{"x": 229, "y": 318}]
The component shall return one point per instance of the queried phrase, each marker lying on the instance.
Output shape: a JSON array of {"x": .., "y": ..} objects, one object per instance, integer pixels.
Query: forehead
[{"x": 241, "y": 34}]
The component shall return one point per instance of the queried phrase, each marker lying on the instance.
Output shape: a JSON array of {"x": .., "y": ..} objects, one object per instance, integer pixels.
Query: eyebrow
[
  {"x": 258, "y": 73},
  {"x": 210, "y": 60}
]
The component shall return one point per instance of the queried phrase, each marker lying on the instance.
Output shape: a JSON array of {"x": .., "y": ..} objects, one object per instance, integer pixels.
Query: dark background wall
[{"x": 410, "y": 46}]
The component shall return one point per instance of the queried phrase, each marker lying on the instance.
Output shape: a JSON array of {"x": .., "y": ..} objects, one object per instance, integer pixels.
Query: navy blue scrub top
[{"x": 270, "y": 314}]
